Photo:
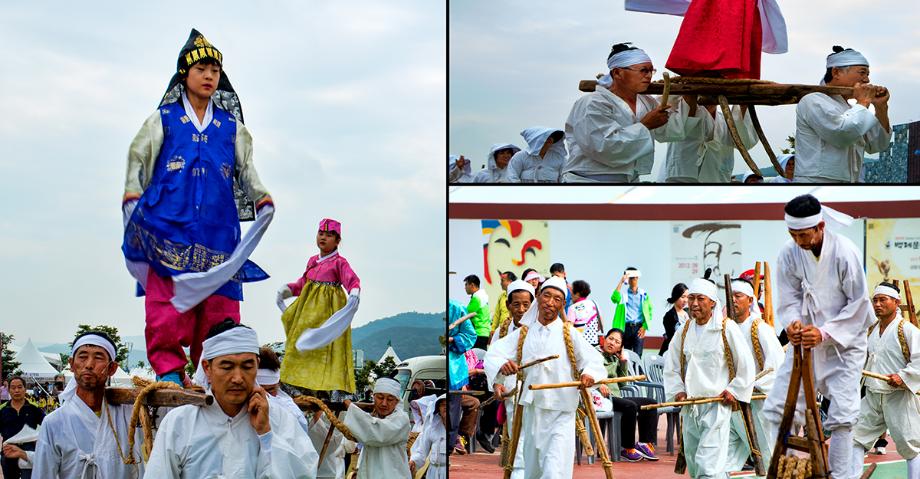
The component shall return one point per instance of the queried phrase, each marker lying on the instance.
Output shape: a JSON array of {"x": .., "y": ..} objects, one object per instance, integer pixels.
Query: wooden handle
[
  {"x": 538, "y": 361},
  {"x": 870, "y": 374},
  {"x": 575, "y": 384},
  {"x": 159, "y": 397},
  {"x": 461, "y": 320}
]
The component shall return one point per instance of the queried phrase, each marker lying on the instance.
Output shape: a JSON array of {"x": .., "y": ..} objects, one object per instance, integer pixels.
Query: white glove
[{"x": 283, "y": 293}]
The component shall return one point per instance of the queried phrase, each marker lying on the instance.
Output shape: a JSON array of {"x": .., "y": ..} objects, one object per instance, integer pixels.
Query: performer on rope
[
  {"x": 268, "y": 377},
  {"x": 768, "y": 357},
  {"x": 708, "y": 153},
  {"x": 894, "y": 351},
  {"x": 824, "y": 306},
  {"x": 318, "y": 323},
  {"x": 520, "y": 297},
  {"x": 431, "y": 443},
  {"x": 238, "y": 435},
  {"x": 610, "y": 133},
  {"x": 549, "y": 415},
  {"x": 87, "y": 436},
  {"x": 542, "y": 160},
  {"x": 182, "y": 233},
  {"x": 709, "y": 358},
  {"x": 497, "y": 164},
  {"x": 383, "y": 434},
  {"x": 831, "y": 137}
]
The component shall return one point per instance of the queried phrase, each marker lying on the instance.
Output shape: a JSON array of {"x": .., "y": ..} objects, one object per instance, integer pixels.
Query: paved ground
[{"x": 482, "y": 465}]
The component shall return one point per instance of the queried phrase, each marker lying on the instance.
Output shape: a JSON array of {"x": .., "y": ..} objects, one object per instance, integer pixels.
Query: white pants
[
  {"x": 837, "y": 375},
  {"x": 518, "y": 471},
  {"x": 436, "y": 472},
  {"x": 707, "y": 428},
  {"x": 898, "y": 412},
  {"x": 549, "y": 443},
  {"x": 739, "y": 448}
]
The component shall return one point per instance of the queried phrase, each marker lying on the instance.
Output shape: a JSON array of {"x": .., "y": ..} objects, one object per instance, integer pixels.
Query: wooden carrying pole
[
  {"x": 757, "y": 282},
  {"x": 754, "y": 92},
  {"x": 158, "y": 397},
  {"x": 596, "y": 430},
  {"x": 575, "y": 384},
  {"x": 767, "y": 295},
  {"x": 908, "y": 297}
]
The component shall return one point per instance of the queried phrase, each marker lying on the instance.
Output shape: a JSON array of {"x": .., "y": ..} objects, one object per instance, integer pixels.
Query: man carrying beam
[
  {"x": 520, "y": 297},
  {"x": 831, "y": 137},
  {"x": 768, "y": 357},
  {"x": 894, "y": 351},
  {"x": 548, "y": 416},
  {"x": 824, "y": 306},
  {"x": 709, "y": 358}
]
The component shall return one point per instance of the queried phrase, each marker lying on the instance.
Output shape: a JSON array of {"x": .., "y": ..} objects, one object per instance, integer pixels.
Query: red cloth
[
  {"x": 168, "y": 330},
  {"x": 718, "y": 36}
]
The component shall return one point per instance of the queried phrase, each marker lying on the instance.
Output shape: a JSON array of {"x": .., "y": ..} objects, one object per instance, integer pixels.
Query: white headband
[
  {"x": 743, "y": 287},
  {"x": 555, "y": 282},
  {"x": 267, "y": 377},
  {"x": 829, "y": 215},
  {"x": 704, "y": 287},
  {"x": 623, "y": 59},
  {"x": 519, "y": 285},
  {"x": 846, "y": 58},
  {"x": 93, "y": 340},
  {"x": 234, "y": 341},
  {"x": 633, "y": 273},
  {"x": 387, "y": 386},
  {"x": 887, "y": 291}
]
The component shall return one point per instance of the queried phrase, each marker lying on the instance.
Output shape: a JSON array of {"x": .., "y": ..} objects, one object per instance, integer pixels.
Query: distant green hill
[{"x": 411, "y": 334}]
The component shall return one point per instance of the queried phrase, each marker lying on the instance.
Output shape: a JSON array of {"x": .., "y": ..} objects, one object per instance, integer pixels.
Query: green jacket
[
  {"x": 479, "y": 304},
  {"x": 619, "y": 315},
  {"x": 615, "y": 369}
]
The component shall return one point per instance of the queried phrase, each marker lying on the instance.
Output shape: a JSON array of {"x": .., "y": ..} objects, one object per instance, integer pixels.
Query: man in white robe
[
  {"x": 894, "y": 351},
  {"x": 383, "y": 434},
  {"x": 268, "y": 377},
  {"x": 239, "y": 435},
  {"x": 696, "y": 365},
  {"x": 333, "y": 465},
  {"x": 87, "y": 437},
  {"x": 770, "y": 358},
  {"x": 431, "y": 444},
  {"x": 831, "y": 137},
  {"x": 824, "y": 306},
  {"x": 548, "y": 427},
  {"x": 708, "y": 153},
  {"x": 459, "y": 169},
  {"x": 497, "y": 164},
  {"x": 542, "y": 160},
  {"x": 520, "y": 297},
  {"x": 611, "y": 132}
]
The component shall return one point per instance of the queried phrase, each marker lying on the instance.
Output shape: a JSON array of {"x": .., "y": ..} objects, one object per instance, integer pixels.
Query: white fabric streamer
[
  {"x": 830, "y": 216},
  {"x": 193, "y": 288},
  {"x": 333, "y": 327}
]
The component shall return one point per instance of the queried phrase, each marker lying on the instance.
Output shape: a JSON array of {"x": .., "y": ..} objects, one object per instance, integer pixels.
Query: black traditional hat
[{"x": 197, "y": 48}]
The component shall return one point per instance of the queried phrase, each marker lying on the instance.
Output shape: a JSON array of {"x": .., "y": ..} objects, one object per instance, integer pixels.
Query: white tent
[
  {"x": 121, "y": 378},
  {"x": 33, "y": 364},
  {"x": 389, "y": 353}
]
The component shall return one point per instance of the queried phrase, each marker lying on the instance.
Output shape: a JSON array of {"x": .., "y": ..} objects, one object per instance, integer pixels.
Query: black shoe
[
  {"x": 496, "y": 440},
  {"x": 485, "y": 442}
]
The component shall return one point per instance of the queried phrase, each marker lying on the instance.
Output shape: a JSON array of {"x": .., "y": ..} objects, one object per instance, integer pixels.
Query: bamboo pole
[
  {"x": 870, "y": 374},
  {"x": 768, "y": 294},
  {"x": 908, "y": 296},
  {"x": 596, "y": 429},
  {"x": 538, "y": 361},
  {"x": 757, "y": 283},
  {"x": 575, "y": 384}
]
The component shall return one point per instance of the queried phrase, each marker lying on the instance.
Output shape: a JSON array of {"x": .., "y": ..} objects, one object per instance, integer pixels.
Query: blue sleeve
[{"x": 464, "y": 337}]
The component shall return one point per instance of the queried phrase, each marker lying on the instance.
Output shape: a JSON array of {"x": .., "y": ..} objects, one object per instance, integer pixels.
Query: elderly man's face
[
  {"x": 551, "y": 301},
  {"x": 385, "y": 404},
  {"x": 518, "y": 304},
  {"x": 884, "y": 305},
  {"x": 92, "y": 367},
  {"x": 742, "y": 303},
  {"x": 232, "y": 377},
  {"x": 808, "y": 238},
  {"x": 700, "y": 306}
]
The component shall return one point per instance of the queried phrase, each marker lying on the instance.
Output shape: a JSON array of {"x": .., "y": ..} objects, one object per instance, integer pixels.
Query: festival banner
[
  {"x": 893, "y": 253},
  {"x": 698, "y": 246}
]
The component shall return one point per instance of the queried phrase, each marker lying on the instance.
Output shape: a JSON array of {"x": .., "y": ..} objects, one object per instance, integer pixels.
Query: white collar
[
  {"x": 320, "y": 258},
  {"x": 190, "y": 113}
]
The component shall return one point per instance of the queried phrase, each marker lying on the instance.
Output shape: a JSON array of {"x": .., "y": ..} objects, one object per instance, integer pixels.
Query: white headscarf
[
  {"x": 830, "y": 216},
  {"x": 233, "y": 341},
  {"x": 623, "y": 59},
  {"x": 555, "y": 282},
  {"x": 387, "y": 386},
  {"x": 846, "y": 58},
  {"x": 708, "y": 288},
  {"x": 887, "y": 291},
  {"x": 519, "y": 285},
  {"x": 492, "y": 165},
  {"x": 746, "y": 288},
  {"x": 267, "y": 377},
  {"x": 90, "y": 339}
]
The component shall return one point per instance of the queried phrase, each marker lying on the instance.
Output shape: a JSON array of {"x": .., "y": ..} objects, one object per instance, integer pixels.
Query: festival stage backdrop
[
  {"x": 893, "y": 253},
  {"x": 666, "y": 252}
]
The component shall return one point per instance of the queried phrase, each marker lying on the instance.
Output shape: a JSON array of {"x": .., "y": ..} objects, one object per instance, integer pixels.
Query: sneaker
[
  {"x": 647, "y": 451},
  {"x": 173, "y": 377},
  {"x": 630, "y": 455},
  {"x": 485, "y": 441},
  {"x": 879, "y": 450}
]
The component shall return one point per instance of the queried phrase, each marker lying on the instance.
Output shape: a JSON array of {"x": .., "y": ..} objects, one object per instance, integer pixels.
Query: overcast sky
[
  {"x": 516, "y": 63},
  {"x": 346, "y": 105}
]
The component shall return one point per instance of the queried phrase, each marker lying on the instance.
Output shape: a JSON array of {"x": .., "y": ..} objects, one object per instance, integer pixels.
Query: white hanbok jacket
[
  {"x": 708, "y": 153},
  {"x": 384, "y": 443},
  {"x": 831, "y": 138},
  {"x": 196, "y": 442}
]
